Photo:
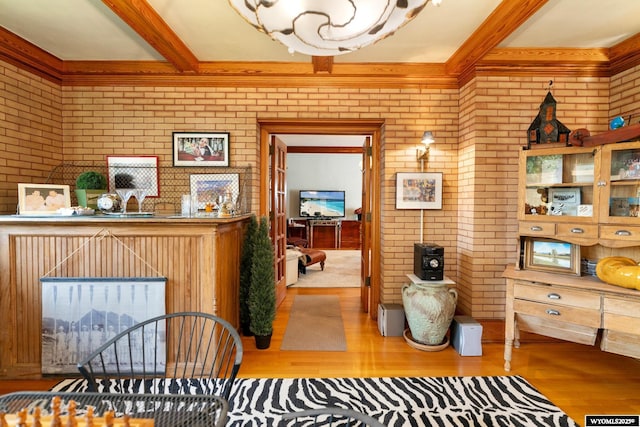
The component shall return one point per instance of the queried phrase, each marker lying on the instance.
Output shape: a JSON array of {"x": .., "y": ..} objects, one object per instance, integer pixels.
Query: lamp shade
[
  {"x": 427, "y": 137},
  {"x": 327, "y": 27}
]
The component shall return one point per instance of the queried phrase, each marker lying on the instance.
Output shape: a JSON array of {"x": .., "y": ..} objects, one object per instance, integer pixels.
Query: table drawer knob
[
  {"x": 577, "y": 230},
  {"x": 551, "y": 312},
  {"x": 536, "y": 228},
  {"x": 553, "y": 296},
  {"x": 623, "y": 233}
]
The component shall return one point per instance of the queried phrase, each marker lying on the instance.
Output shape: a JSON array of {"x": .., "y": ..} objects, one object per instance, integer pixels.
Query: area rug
[
  {"x": 396, "y": 402},
  {"x": 315, "y": 324},
  {"x": 341, "y": 270}
]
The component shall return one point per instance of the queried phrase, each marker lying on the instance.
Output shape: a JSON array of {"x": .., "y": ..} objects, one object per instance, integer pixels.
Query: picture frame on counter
[
  {"x": 211, "y": 188},
  {"x": 550, "y": 255},
  {"x": 42, "y": 199}
]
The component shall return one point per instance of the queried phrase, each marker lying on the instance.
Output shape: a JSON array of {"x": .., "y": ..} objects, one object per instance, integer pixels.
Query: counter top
[{"x": 102, "y": 218}]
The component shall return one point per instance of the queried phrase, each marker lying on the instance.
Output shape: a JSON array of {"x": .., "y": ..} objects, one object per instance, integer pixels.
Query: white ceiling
[
  {"x": 213, "y": 31},
  {"x": 81, "y": 30}
]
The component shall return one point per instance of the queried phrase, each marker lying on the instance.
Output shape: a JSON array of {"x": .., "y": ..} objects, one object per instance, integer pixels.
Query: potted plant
[
  {"x": 89, "y": 186},
  {"x": 262, "y": 290},
  {"x": 246, "y": 258}
]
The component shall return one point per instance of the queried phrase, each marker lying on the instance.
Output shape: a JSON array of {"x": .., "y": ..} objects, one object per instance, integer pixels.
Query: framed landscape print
[
  {"x": 200, "y": 148},
  {"x": 551, "y": 255},
  {"x": 421, "y": 190},
  {"x": 81, "y": 313},
  {"x": 212, "y": 187},
  {"x": 42, "y": 199}
]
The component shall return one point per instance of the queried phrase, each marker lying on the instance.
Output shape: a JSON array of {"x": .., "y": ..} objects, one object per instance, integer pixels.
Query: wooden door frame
[{"x": 374, "y": 128}]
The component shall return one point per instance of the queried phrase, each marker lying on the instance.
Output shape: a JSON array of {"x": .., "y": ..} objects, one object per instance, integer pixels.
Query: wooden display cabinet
[{"x": 589, "y": 197}]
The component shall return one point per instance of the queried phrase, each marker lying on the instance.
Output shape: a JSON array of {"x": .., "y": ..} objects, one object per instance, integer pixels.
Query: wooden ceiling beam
[
  {"x": 504, "y": 20},
  {"x": 145, "y": 21}
]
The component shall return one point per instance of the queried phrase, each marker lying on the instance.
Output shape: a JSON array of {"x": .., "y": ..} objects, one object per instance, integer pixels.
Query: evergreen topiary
[
  {"x": 91, "y": 180},
  {"x": 262, "y": 292},
  {"x": 246, "y": 259}
]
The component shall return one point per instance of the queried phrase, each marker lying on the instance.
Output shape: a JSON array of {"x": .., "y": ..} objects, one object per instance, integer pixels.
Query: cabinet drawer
[
  {"x": 582, "y": 231},
  {"x": 621, "y": 343},
  {"x": 556, "y": 329},
  {"x": 620, "y": 232},
  {"x": 621, "y": 315},
  {"x": 556, "y": 296},
  {"x": 537, "y": 229},
  {"x": 578, "y": 316}
]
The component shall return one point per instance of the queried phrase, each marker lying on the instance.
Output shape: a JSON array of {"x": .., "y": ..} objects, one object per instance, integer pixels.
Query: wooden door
[
  {"x": 278, "y": 213},
  {"x": 365, "y": 263}
]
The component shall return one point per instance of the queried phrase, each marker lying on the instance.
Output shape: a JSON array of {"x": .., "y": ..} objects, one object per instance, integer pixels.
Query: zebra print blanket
[{"x": 397, "y": 402}]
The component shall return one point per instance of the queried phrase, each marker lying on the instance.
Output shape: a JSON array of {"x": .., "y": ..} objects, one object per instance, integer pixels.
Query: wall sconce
[{"x": 423, "y": 151}]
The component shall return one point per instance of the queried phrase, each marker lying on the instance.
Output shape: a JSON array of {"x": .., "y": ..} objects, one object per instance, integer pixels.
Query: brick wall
[
  {"x": 495, "y": 113},
  {"x": 479, "y": 131},
  {"x": 30, "y": 131}
]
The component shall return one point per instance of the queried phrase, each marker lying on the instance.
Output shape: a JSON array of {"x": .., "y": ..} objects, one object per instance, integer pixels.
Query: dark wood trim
[
  {"x": 145, "y": 21},
  {"x": 27, "y": 56},
  {"x": 504, "y": 20}
]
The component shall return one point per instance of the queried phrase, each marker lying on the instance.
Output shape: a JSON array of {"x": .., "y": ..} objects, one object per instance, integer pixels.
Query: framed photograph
[
  {"x": 134, "y": 172},
  {"x": 200, "y": 149},
  {"x": 212, "y": 187},
  {"x": 81, "y": 313},
  {"x": 564, "y": 201},
  {"x": 551, "y": 255},
  {"x": 420, "y": 190},
  {"x": 42, "y": 199}
]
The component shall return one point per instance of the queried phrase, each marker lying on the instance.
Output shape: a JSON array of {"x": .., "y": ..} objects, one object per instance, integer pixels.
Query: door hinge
[
  {"x": 367, "y": 281},
  {"x": 271, "y": 149},
  {"x": 369, "y": 150},
  {"x": 368, "y": 217}
]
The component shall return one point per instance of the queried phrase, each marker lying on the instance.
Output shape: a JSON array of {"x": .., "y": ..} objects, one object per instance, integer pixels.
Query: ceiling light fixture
[{"x": 328, "y": 28}]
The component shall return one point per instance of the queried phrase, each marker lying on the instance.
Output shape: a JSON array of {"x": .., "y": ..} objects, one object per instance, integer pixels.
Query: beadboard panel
[{"x": 186, "y": 253}]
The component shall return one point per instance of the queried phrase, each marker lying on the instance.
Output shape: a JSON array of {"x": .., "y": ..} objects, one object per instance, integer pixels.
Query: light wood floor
[{"x": 579, "y": 379}]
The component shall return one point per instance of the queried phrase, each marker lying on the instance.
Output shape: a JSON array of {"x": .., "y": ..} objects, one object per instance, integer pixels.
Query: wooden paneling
[
  {"x": 350, "y": 234},
  {"x": 199, "y": 258}
]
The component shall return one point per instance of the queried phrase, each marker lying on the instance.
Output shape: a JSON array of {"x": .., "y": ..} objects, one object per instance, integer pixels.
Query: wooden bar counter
[{"x": 200, "y": 257}]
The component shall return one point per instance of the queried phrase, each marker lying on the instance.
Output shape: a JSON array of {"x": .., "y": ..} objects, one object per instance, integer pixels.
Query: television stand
[{"x": 324, "y": 233}]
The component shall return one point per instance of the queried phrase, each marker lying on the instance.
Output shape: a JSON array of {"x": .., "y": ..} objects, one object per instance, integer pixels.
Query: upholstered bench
[{"x": 310, "y": 257}]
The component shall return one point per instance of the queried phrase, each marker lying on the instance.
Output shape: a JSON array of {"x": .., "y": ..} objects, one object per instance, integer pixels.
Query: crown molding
[{"x": 498, "y": 61}]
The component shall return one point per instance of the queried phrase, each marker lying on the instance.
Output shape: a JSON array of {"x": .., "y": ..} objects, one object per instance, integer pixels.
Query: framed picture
[
  {"x": 134, "y": 172},
  {"x": 81, "y": 313},
  {"x": 551, "y": 255},
  {"x": 42, "y": 199},
  {"x": 564, "y": 201},
  {"x": 200, "y": 149},
  {"x": 212, "y": 187},
  {"x": 421, "y": 190}
]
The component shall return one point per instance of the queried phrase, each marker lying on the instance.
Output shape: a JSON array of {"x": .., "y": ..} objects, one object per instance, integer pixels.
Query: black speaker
[{"x": 428, "y": 261}]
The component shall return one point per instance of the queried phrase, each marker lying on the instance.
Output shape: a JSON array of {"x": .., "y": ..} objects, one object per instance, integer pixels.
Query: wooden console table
[{"x": 200, "y": 257}]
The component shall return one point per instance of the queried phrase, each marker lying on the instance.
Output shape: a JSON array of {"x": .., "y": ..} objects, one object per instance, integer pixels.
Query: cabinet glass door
[
  {"x": 557, "y": 184},
  {"x": 621, "y": 202}
]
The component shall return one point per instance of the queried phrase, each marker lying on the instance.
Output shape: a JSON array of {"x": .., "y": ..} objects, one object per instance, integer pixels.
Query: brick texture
[{"x": 479, "y": 131}]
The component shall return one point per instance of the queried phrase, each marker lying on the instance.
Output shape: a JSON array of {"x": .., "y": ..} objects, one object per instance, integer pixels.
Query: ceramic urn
[{"x": 429, "y": 308}]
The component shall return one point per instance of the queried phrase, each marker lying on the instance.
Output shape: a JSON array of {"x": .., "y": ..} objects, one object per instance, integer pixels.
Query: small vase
[
  {"x": 429, "y": 308},
  {"x": 262, "y": 341}
]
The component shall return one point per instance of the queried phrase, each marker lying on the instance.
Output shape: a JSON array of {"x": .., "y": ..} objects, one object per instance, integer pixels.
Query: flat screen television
[{"x": 321, "y": 204}]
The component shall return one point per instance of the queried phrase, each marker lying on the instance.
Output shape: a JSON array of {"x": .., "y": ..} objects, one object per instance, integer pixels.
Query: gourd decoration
[{"x": 619, "y": 271}]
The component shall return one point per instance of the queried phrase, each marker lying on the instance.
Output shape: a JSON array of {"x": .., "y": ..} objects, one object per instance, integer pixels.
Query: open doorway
[
  {"x": 323, "y": 194},
  {"x": 272, "y": 188}
]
